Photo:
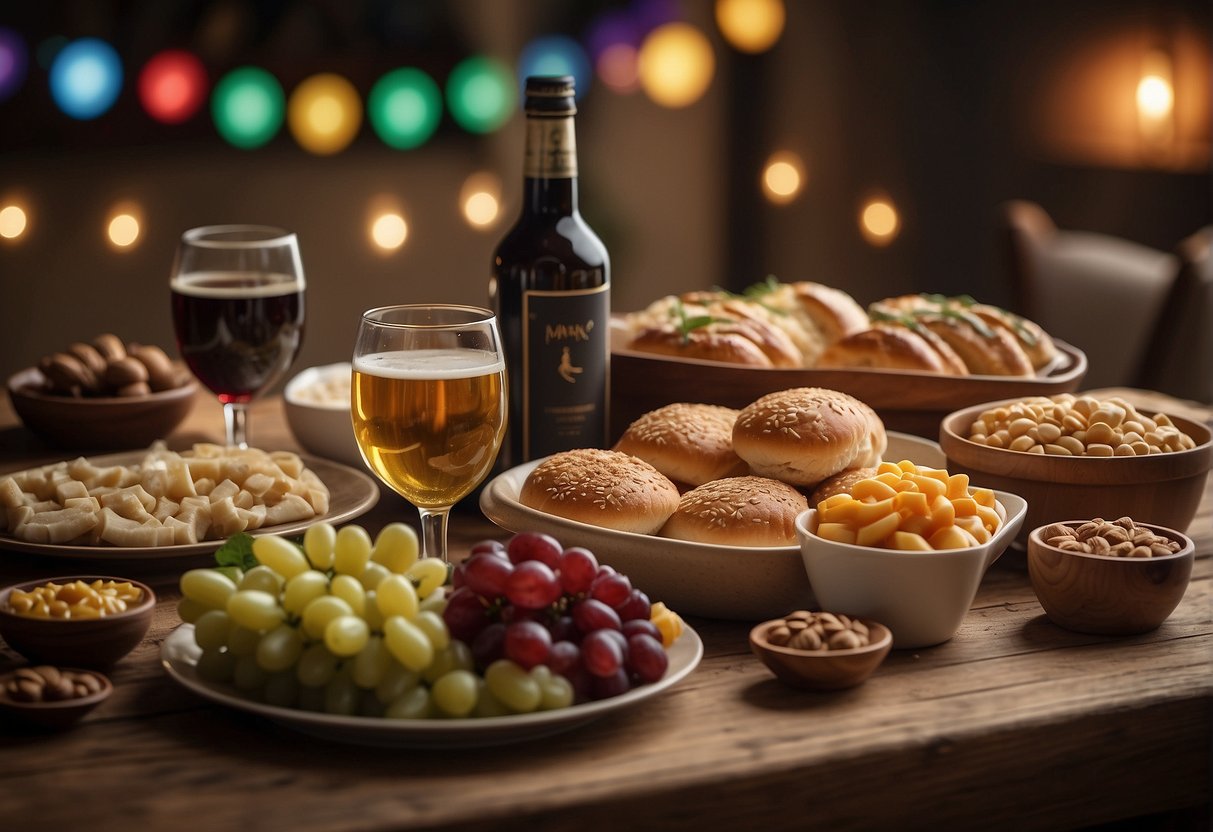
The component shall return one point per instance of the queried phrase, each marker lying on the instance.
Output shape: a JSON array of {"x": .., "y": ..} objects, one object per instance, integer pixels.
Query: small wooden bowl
[
  {"x": 56, "y": 715},
  {"x": 103, "y": 423},
  {"x": 1109, "y": 595},
  {"x": 822, "y": 670},
  {"x": 82, "y": 642},
  {"x": 1160, "y": 488}
]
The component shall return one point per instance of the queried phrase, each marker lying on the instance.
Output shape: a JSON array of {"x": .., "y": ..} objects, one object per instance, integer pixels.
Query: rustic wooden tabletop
[{"x": 1014, "y": 723}]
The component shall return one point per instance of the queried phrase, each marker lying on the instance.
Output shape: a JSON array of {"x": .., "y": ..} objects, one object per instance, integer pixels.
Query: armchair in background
[{"x": 1143, "y": 316}]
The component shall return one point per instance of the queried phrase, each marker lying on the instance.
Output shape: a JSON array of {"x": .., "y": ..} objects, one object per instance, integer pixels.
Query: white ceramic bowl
[
  {"x": 921, "y": 596},
  {"x": 322, "y": 426}
]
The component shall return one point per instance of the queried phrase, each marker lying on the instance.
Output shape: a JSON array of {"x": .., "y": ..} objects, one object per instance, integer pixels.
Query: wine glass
[
  {"x": 238, "y": 298},
  {"x": 428, "y": 403}
]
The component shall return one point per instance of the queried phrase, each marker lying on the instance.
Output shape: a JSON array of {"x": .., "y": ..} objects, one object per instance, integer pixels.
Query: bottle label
[
  {"x": 551, "y": 148},
  {"x": 565, "y": 369}
]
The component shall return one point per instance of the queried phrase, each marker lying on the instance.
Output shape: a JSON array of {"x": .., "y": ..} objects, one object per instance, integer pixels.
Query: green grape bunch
[{"x": 341, "y": 624}]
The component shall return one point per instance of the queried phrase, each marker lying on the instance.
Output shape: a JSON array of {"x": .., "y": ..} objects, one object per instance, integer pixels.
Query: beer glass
[
  {"x": 238, "y": 298},
  {"x": 428, "y": 403}
]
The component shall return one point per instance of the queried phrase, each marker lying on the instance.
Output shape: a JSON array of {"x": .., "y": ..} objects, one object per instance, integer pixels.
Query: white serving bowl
[
  {"x": 921, "y": 596},
  {"x": 322, "y": 427}
]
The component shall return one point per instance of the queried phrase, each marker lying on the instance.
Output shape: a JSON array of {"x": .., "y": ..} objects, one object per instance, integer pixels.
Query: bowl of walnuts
[{"x": 105, "y": 394}]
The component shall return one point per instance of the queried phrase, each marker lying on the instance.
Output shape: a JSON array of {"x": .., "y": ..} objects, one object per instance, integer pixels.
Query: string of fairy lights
[{"x": 641, "y": 48}]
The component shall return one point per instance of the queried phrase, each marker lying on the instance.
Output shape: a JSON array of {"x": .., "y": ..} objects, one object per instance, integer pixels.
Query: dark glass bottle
[{"x": 551, "y": 292}]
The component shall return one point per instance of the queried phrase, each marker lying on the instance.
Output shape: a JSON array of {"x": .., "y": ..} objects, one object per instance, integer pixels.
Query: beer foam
[
  {"x": 425, "y": 365},
  {"x": 236, "y": 284}
]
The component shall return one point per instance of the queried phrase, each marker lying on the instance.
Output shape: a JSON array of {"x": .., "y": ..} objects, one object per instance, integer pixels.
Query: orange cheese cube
[
  {"x": 876, "y": 532},
  {"x": 838, "y": 532},
  {"x": 958, "y": 486},
  {"x": 952, "y": 537},
  {"x": 910, "y": 542},
  {"x": 871, "y": 489},
  {"x": 912, "y": 502}
]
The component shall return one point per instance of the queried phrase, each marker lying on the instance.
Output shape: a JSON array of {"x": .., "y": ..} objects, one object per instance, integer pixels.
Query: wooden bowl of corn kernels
[
  {"x": 1160, "y": 482},
  {"x": 78, "y": 637}
]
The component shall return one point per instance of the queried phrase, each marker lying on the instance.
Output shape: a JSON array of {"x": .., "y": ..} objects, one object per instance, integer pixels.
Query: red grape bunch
[{"x": 531, "y": 602}]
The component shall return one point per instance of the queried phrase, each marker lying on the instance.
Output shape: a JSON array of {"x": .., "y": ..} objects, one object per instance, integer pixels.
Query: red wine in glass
[{"x": 238, "y": 332}]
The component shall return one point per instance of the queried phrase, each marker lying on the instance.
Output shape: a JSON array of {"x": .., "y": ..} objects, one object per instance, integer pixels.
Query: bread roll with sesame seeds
[
  {"x": 689, "y": 443},
  {"x": 805, "y": 434},
  {"x": 738, "y": 511},
  {"x": 603, "y": 488}
]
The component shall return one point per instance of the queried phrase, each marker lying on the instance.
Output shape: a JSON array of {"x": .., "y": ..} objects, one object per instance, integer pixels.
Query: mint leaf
[{"x": 237, "y": 551}]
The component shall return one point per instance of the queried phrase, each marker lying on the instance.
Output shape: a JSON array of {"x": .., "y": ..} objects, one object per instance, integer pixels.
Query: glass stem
[
  {"x": 235, "y": 418},
  {"x": 433, "y": 532}
]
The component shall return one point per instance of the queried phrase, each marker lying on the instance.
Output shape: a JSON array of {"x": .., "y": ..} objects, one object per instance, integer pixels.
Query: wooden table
[{"x": 1014, "y": 723}]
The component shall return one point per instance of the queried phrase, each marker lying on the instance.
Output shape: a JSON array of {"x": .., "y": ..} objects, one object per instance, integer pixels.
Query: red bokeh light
[{"x": 172, "y": 86}]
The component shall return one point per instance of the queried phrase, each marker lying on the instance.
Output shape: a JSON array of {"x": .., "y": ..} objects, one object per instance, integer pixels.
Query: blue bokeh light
[
  {"x": 556, "y": 55},
  {"x": 85, "y": 78}
]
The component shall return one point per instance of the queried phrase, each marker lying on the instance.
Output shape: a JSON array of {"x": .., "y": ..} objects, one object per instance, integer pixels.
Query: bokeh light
[
  {"x": 555, "y": 55},
  {"x": 389, "y": 231},
  {"x": 172, "y": 86},
  {"x": 481, "y": 94},
  {"x": 879, "y": 222},
  {"x": 14, "y": 62},
  {"x": 324, "y": 114},
  {"x": 404, "y": 108},
  {"x": 247, "y": 106},
  {"x": 751, "y": 25},
  {"x": 619, "y": 67},
  {"x": 676, "y": 65},
  {"x": 123, "y": 230},
  {"x": 86, "y": 77},
  {"x": 480, "y": 199},
  {"x": 13, "y": 222},
  {"x": 1155, "y": 98},
  {"x": 783, "y": 177}
]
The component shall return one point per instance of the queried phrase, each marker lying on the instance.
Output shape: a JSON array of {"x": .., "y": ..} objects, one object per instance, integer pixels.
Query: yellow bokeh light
[
  {"x": 480, "y": 208},
  {"x": 783, "y": 177},
  {"x": 123, "y": 230},
  {"x": 389, "y": 231},
  {"x": 12, "y": 222},
  {"x": 750, "y": 25},
  {"x": 676, "y": 65},
  {"x": 879, "y": 222},
  {"x": 324, "y": 114},
  {"x": 1154, "y": 97},
  {"x": 480, "y": 199}
]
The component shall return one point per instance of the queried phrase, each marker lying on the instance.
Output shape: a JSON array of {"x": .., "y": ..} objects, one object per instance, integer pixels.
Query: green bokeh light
[
  {"x": 248, "y": 107},
  {"x": 404, "y": 107},
  {"x": 481, "y": 94}
]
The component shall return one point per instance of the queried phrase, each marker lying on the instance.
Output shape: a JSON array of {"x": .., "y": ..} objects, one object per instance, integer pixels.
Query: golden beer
[{"x": 429, "y": 422}]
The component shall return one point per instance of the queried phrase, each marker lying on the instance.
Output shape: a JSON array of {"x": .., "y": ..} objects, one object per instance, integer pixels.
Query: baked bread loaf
[
  {"x": 738, "y": 511},
  {"x": 988, "y": 340},
  {"x": 790, "y": 323},
  {"x": 840, "y": 484},
  {"x": 690, "y": 443},
  {"x": 889, "y": 347},
  {"x": 603, "y": 488},
  {"x": 703, "y": 344},
  {"x": 803, "y": 435}
]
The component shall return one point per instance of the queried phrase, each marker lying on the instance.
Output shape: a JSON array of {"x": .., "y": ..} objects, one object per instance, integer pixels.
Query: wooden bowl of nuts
[
  {"x": 1076, "y": 456},
  {"x": 52, "y": 697},
  {"x": 87, "y": 621},
  {"x": 103, "y": 395},
  {"x": 1109, "y": 578},
  {"x": 821, "y": 650}
]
